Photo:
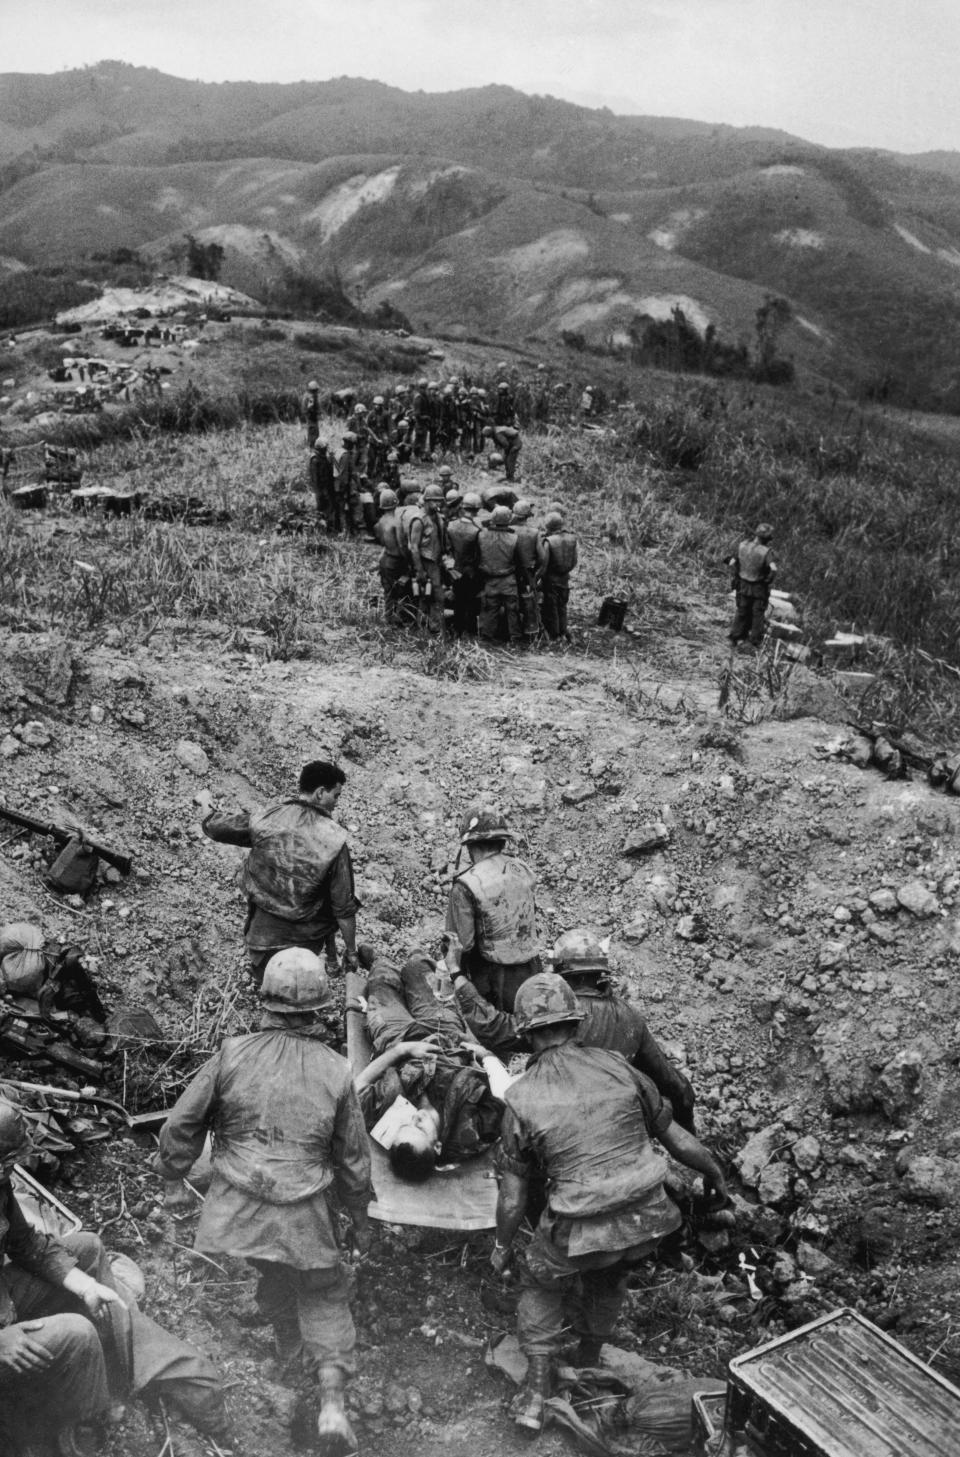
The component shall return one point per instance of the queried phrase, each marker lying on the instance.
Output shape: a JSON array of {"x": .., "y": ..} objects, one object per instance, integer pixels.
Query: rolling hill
[{"x": 488, "y": 211}]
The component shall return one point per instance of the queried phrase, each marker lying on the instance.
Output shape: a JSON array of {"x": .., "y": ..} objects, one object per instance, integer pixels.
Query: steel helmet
[
  {"x": 553, "y": 521},
  {"x": 522, "y": 510},
  {"x": 359, "y": 409},
  {"x": 545, "y": 1000},
  {"x": 488, "y": 431},
  {"x": 434, "y": 384},
  {"x": 579, "y": 950},
  {"x": 294, "y": 981},
  {"x": 445, "y": 471},
  {"x": 388, "y": 499},
  {"x": 433, "y": 493},
  {"x": 448, "y": 389},
  {"x": 496, "y": 458},
  {"x": 503, "y": 385},
  {"x": 471, "y": 501},
  {"x": 14, "y": 1131},
  {"x": 312, "y": 385},
  {"x": 481, "y": 824},
  {"x": 764, "y": 531},
  {"x": 378, "y": 399},
  {"x": 453, "y": 496}
]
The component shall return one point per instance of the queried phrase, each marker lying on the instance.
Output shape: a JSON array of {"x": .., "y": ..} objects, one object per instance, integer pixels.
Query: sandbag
[{"x": 22, "y": 963}]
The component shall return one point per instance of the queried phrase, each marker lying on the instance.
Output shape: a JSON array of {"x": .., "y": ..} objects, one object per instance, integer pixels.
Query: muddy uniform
[
  {"x": 561, "y": 558},
  {"x": 583, "y": 1119},
  {"x": 288, "y": 1140},
  {"x": 493, "y": 912},
  {"x": 426, "y": 553},
  {"x": 499, "y": 594},
  {"x": 404, "y": 1006},
  {"x": 345, "y": 490},
  {"x": 463, "y": 545},
  {"x": 298, "y": 877},
  {"x": 88, "y": 1365},
  {"x": 393, "y": 568},
  {"x": 608, "y": 1021},
  {"x": 531, "y": 558},
  {"x": 753, "y": 572}
]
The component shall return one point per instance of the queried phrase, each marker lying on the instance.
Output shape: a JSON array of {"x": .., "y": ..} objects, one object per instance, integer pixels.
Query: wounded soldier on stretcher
[{"x": 439, "y": 1089}]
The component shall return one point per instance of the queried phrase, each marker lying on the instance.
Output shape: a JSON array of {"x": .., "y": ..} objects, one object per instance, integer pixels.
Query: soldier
[
  {"x": 462, "y": 542},
  {"x": 357, "y": 424},
  {"x": 378, "y": 432},
  {"x": 531, "y": 556},
  {"x": 584, "y": 1120},
  {"x": 289, "y": 1139},
  {"x": 394, "y": 572},
  {"x": 505, "y": 410},
  {"x": 753, "y": 571},
  {"x": 345, "y": 485},
  {"x": 610, "y": 1021},
  {"x": 407, "y": 513},
  {"x": 448, "y": 429},
  {"x": 310, "y": 409},
  {"x": 420, "y": 408},
  {"x": 499, "y": 592},
  {"x": 322, "y": 482},
  {"x": 560, "y": 547},
  {"x": 426, "y": 554},
  {"x": 451, "y": 504},
  {"x": 298, "y": 877},
  {"x": 492, "y": 911},
  {"x": 508, "y": 444}
]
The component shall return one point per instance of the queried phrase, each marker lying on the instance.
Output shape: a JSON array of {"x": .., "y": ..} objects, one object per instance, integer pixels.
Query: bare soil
[{"x": 750, "y": 939}]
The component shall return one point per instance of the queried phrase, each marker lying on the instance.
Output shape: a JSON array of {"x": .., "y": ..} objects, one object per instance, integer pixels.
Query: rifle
[{"x": 62, "y": 837}]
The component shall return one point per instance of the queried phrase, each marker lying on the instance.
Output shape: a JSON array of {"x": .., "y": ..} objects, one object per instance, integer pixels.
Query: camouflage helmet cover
[
  {"x": 294, "y": 981},
  {"x": 522, "y": 510},
  {"x": 471, "y": 501},
  {"x": 481, "y": 824},
  {"x": 388, "y": 499},
  {"x": 545, "y": 1000},
  {"x": 579, "y": 950},
  {"x": 433, "y": 493}
]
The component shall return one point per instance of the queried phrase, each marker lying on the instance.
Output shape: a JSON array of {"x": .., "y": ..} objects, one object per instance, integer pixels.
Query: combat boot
[
  {"x": 335, "y": 1436},
  {"x": 528, "y": 1406},
  {"x": 588, "y": 1352}
]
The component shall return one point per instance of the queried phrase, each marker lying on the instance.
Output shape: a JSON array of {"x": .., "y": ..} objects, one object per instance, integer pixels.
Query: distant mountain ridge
[{"x": 490, "y": 211}]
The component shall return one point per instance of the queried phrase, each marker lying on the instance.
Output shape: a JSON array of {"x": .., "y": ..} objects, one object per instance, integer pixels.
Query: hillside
[
  {"x": 487, "y": 211},
  {"x": 792, "y": 931}
]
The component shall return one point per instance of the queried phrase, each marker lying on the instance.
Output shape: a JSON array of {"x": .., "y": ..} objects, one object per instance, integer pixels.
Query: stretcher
[{"x": 463, "y": 1197}]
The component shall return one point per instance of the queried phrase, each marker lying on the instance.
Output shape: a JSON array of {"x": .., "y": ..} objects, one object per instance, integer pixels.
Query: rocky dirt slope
[{"x": 789, "y": 922}]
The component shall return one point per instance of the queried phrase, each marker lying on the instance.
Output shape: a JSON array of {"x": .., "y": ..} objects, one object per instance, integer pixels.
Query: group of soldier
[
  {"x": 507, "y": 578},
  {"x": 475, "y": 562},
  {"x": 577, "y": 1128}
]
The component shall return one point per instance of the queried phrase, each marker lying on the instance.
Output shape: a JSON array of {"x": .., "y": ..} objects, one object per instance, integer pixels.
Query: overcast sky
[{"x": 880, "y": 73}]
